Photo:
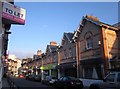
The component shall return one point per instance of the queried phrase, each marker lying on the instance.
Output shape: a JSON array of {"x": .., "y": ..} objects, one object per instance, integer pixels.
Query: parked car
[
  {"x": 37, "y": 77},
  {"x": 16, "y": 75},
  {"x": 49, "y": 80},
  {"x": 52, "y": 80},
  {"x": 31, "y": 77},
  {"x": 111, "y": 81},
  {"x": 21, "y": 76},
  {"x": 27, "y": 77},
  {"x": 67, "y": 82}
]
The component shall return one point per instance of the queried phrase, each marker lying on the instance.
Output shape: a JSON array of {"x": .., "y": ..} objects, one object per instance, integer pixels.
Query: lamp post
[{"x": 36, "y": 72}]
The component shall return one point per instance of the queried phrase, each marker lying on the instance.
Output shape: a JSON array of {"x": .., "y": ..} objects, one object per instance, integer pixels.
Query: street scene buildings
[
  {"x": 89, "y": 52},
  {"x": 85, "y": 53},
  {"x": 13, "y": 65}
]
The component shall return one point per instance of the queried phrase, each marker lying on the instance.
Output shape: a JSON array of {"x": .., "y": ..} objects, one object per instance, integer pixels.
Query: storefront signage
[
  {"x": 48, "y": 67},
  {"x": 13, "y": 14}
]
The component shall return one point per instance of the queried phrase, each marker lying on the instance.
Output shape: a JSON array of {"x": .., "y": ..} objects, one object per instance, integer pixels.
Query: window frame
[
  {"x": 70, "y": 52},
  {"x": 89, "y": 43},
  {"x": 65, "y": 54},
  {"x": 110, "y": 78}
]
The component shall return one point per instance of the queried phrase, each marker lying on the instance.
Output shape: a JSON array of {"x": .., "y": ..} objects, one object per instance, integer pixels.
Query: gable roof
[
  {"x": 69, "y": 36},
  {"x": 93, "y": 20},
  {"x": 117, "y": 25},
  {"x": 51, "y": 48},
  {"x": 99, "y": 23}
]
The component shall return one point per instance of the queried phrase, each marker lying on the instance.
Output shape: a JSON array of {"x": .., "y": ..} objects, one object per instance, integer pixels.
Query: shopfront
[
  {"x": 67, "y": 69},
  {"x": 92, "y": 68},
  {"x": 49, "y": 70}
]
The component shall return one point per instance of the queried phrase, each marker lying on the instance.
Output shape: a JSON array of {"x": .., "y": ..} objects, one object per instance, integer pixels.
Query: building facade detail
[
  {"x": 87, "y": 53},
  {"x": 5, "y": 24},
  {"x": 96, "y": 51}
]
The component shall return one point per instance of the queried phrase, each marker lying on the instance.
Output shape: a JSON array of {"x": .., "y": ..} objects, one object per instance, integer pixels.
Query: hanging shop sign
[{"x": 13, "y": 14}]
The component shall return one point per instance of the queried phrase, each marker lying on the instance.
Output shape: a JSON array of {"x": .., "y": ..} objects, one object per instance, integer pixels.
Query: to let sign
[{"x": 13, "y": 14}]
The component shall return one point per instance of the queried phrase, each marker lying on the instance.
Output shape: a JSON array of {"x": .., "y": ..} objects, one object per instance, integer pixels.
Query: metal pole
[{"x": 77, "y": 59}]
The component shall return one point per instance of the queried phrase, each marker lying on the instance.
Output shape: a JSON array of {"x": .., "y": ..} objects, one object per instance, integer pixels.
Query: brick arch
[{"x": 88, "y": 34}]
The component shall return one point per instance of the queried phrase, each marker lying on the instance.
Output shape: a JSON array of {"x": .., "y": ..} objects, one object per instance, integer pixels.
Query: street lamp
[
  {"x": 42, "y": 72},
  {"x": 36, "y": 72}
]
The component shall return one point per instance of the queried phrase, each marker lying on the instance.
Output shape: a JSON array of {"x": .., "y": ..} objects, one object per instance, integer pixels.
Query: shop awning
[
  {"x": 48, "y": 67},
  {"x": 66, "y": 65}
]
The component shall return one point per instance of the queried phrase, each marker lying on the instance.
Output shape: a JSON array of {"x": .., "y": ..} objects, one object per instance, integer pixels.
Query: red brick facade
[
  {"x": 88, "y": 52},
  {"x": 98, "y": 45}
]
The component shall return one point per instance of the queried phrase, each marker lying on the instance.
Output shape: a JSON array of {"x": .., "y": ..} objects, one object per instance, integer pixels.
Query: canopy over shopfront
[
  {"x": 48, "y": 67},
  {"x": 66, "y": 65}
]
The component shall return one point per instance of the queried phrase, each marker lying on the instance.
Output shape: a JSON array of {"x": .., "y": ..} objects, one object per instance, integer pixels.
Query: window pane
[
  {"x": 70, "y": 52},
  {"x": 110, "y": 78},
  {"x": 89, "y": 43},
  {"x": 118, "y": 79}
]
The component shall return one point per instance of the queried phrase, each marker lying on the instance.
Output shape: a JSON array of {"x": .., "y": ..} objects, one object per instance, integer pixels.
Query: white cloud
[{"x": 22, "y": 54}]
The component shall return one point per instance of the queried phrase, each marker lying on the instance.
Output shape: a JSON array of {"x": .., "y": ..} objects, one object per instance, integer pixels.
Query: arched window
[
  {"x": 88, "y": 40},
  {"x": 89, "y": 43},
  {"x": 70, "y": 52}
]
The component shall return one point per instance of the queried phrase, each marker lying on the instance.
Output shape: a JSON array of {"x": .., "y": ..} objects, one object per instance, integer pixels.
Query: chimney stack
[
  {"x": 92, "y": 17},
  {"x": 39, "y": 52},
  {"x": 53, "y": 43}
]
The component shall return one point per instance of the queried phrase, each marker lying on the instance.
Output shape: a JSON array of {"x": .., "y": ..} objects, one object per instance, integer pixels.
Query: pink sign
[{"x": 13, "y": 13}]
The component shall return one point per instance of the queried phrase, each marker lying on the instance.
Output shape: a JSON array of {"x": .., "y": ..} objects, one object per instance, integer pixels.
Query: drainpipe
[
  {"x": 77, "y": 58},
  {"x": 42, "y": 72},
  {"x": 58, "y": 64}
]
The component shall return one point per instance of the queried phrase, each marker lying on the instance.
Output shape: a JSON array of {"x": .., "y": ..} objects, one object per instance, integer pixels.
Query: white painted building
[
  {"x": 19, "y": 61},
  {"x": 6, "y": 19},
  {"x": 13, "y": 57},
  {"x": 14, "y": 64}
]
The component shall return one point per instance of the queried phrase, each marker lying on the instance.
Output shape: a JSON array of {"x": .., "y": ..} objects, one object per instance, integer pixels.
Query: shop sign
[
  {"x": 48, "y": 67},
  {"x": 13, "y": 14}
]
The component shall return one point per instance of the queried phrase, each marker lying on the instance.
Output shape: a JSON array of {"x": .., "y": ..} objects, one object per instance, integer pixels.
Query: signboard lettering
[{"x": 13, "y": 13}]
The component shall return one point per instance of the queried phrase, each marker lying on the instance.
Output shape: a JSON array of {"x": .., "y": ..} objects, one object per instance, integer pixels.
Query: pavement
[{"x": 5, "y": 84}]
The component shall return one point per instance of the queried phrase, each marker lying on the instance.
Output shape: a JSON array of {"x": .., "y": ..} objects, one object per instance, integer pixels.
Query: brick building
[
  {"x": 97, "y": 45},
  {"x": 67, "y": 56},
  {"x": 50, "y": 60},
  {"x": 87, "y": 53}
]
